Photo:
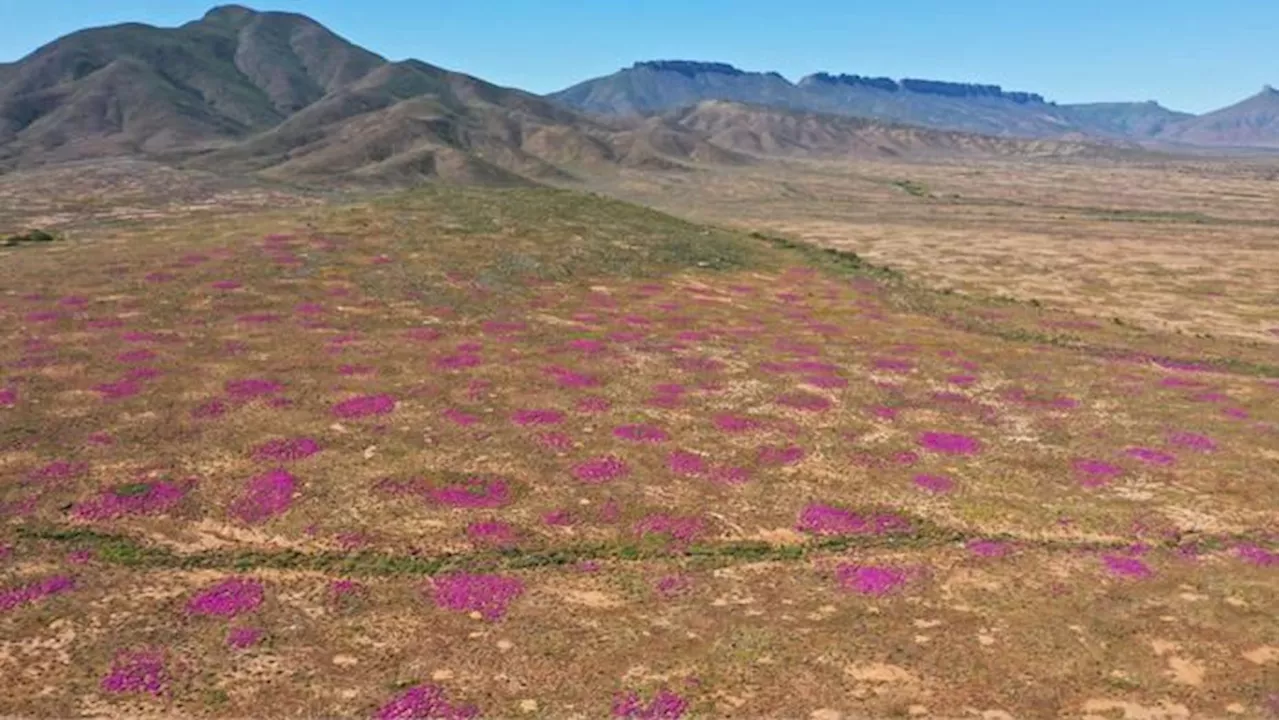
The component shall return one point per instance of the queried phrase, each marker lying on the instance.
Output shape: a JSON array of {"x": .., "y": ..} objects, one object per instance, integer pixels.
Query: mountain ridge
[{"x": 654, "y": 87}]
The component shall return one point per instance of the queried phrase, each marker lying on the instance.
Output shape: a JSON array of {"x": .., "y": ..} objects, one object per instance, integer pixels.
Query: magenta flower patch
[
  {"x": 473, "y": 492},
  {"x": 1256, "y": 555},
  {"x": 1149, "y": 456},
  {"x": 489, "y": 595},
  {"x": 459, "y": 361},
  {"x": 209, "y": 410},
  {"x": 601, "y": 470},
  {"x": 225, "y": 285},
  {"x": 664, "y": 705},
  {"x": 780, "y": 455},
  {"x": 735, "y": 423},
  {"x": 679, "y": 528},
  {"x": 14, "y": 597},
  {"x": 670, "y": 586},
  {"x": 820, "y": 519},
  {"x": 988, "y": 548},
  {"x": 570, "y": 379},
  {"x": 8, "y": 396},
  {"x": 364, "y": 406},
  {"x": 494, "y": 533},
  {"x": 884, "y": 413},
  {"x": 243, "y": 637},
  {"x": 1126, "y": 566},
  {"x": 934, "y": 483},
  {"x": 424, "y": 702},
  {"x": 135, "y": 356},
  {"x": 962, "y": 380},
  {"x": 1093, "y": 473},
  {"x": 142, "y": 498},
  {"x": 730, "y": 475},
  {"x": 57, "y": 471},
  {"x": 137, "y": 671},
  {"x": 286, "y": 449},
  {"x": 682, "y": 462},
  {"x": 587, "y": 346},
  {"x": 894, "y": 365},
  {"x": 537, "y": 417},
  {"x": 870, "y": 579},
  {"x": 1193, "y": 441},
  {"x": 828, "y": 382},
  {"x": 118, "y": 390},
  {"x": 950, "y": 443},
  {"x": 641, "y": 433},
  {"x": 265, "y": 497},
  {"x": 592, "y": 404},
  {"x": 227, "y": 599}
]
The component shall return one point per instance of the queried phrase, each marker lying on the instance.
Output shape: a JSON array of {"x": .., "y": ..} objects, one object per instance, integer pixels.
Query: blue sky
[{"x": 1192, "y": 55}]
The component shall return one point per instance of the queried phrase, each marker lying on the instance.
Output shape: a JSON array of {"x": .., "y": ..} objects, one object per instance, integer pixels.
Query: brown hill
[
  {"x": 1252, "y": 122},
  {"x": 756, "y": 130},
  {"x": 279, "y": 95}
]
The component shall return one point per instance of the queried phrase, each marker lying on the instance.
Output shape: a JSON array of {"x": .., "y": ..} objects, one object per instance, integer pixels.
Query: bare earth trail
[{"x": 532, "y": 453}]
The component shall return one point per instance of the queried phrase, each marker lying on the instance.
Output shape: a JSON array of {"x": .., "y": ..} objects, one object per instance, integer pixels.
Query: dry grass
[
  {"x": 1178, "y": 247},
  {"x": 1006, "y": 580}
]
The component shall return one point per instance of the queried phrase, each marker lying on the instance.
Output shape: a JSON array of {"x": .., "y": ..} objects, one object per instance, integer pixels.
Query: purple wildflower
[
  {"x": 988, "y": 548},
  {"x": 1095, "y": 472},
  {"x": 682, "y": 462},
  {"x": 227, "y": 598},
  {"x": 950, "y": 443},
  {"x": 20, "y": 595},
  {"x": 870, "y": 579},
  {"x": 143, "y": 498},
  {"x": 934, "y": 483},
  {"x": 601, "y": 470},
  {"x": 489, "y": 595},
  {"x": 782, "y": 455},
  {"x": 1192, "y": 441},
  {"x": 734, "y": 423},
  {"x": 1256, "y": 555},
  {"x": 424, "y": 702},
  {"x": 248, "y": 388},
  {"x": 138, "y": 671},
  {"x": 1126, "y": 566},
  {"x": 242, "y": 637},
  {"x": 473, "y": 492},
  {"x": 664, "y": 705},
  {"x": 1149, "y": 456},
  {"x": 286, "y": 449},
  {"x": 265, "y": 497}
]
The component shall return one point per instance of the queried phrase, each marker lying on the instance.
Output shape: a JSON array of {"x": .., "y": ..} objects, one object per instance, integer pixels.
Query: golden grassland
[{"x": 730, "y": 473}]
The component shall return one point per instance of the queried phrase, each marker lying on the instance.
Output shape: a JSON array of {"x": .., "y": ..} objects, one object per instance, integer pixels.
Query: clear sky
[{"x": 1192, "y": 55}]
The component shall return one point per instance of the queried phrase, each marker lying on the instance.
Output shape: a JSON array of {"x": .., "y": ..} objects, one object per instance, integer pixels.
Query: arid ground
[{"x": 537, "y": 453}]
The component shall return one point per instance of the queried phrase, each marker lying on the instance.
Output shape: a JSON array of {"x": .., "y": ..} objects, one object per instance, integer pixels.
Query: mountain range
[
  {"x": 660, "y": 86},
  {"x": 279, "y": 95}
]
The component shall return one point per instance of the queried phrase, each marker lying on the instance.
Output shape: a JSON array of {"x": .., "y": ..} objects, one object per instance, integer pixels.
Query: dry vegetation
[
  {"x": 532, "y": 453},
  {"x": 1174, "y": 246}
]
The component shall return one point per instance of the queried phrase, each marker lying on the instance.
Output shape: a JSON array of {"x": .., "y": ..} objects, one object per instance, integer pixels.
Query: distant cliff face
[
  {"x": 660, "y": 86},
  {"x": 925, "y": 87}
]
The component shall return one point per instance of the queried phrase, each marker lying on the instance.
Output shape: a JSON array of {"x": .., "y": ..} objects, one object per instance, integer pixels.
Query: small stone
[
  {"x": 528, "y": 705},
  {"x": 986, "y": 640},
  {"x": 344, "y": 660},
  {"x": 1235, "y": 709},
  {"x": 922, "y": 639},
  {"x": 825, "y": 714},
  {"x": 441, "y": 675},
  {"x": 918, "y": 710},
  {"x": 475, "y": 615},
  {"x": 505, "y": 645},
  {"x": 369, "y": 452}
]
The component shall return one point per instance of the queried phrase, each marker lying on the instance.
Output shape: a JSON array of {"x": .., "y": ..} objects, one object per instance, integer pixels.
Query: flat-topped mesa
[
  {"x": 880, "y": 83},
  {"x": 688, "y": 68},
  {"x": 924, "y": 87},
  {"x": 950, "y": 89}
]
